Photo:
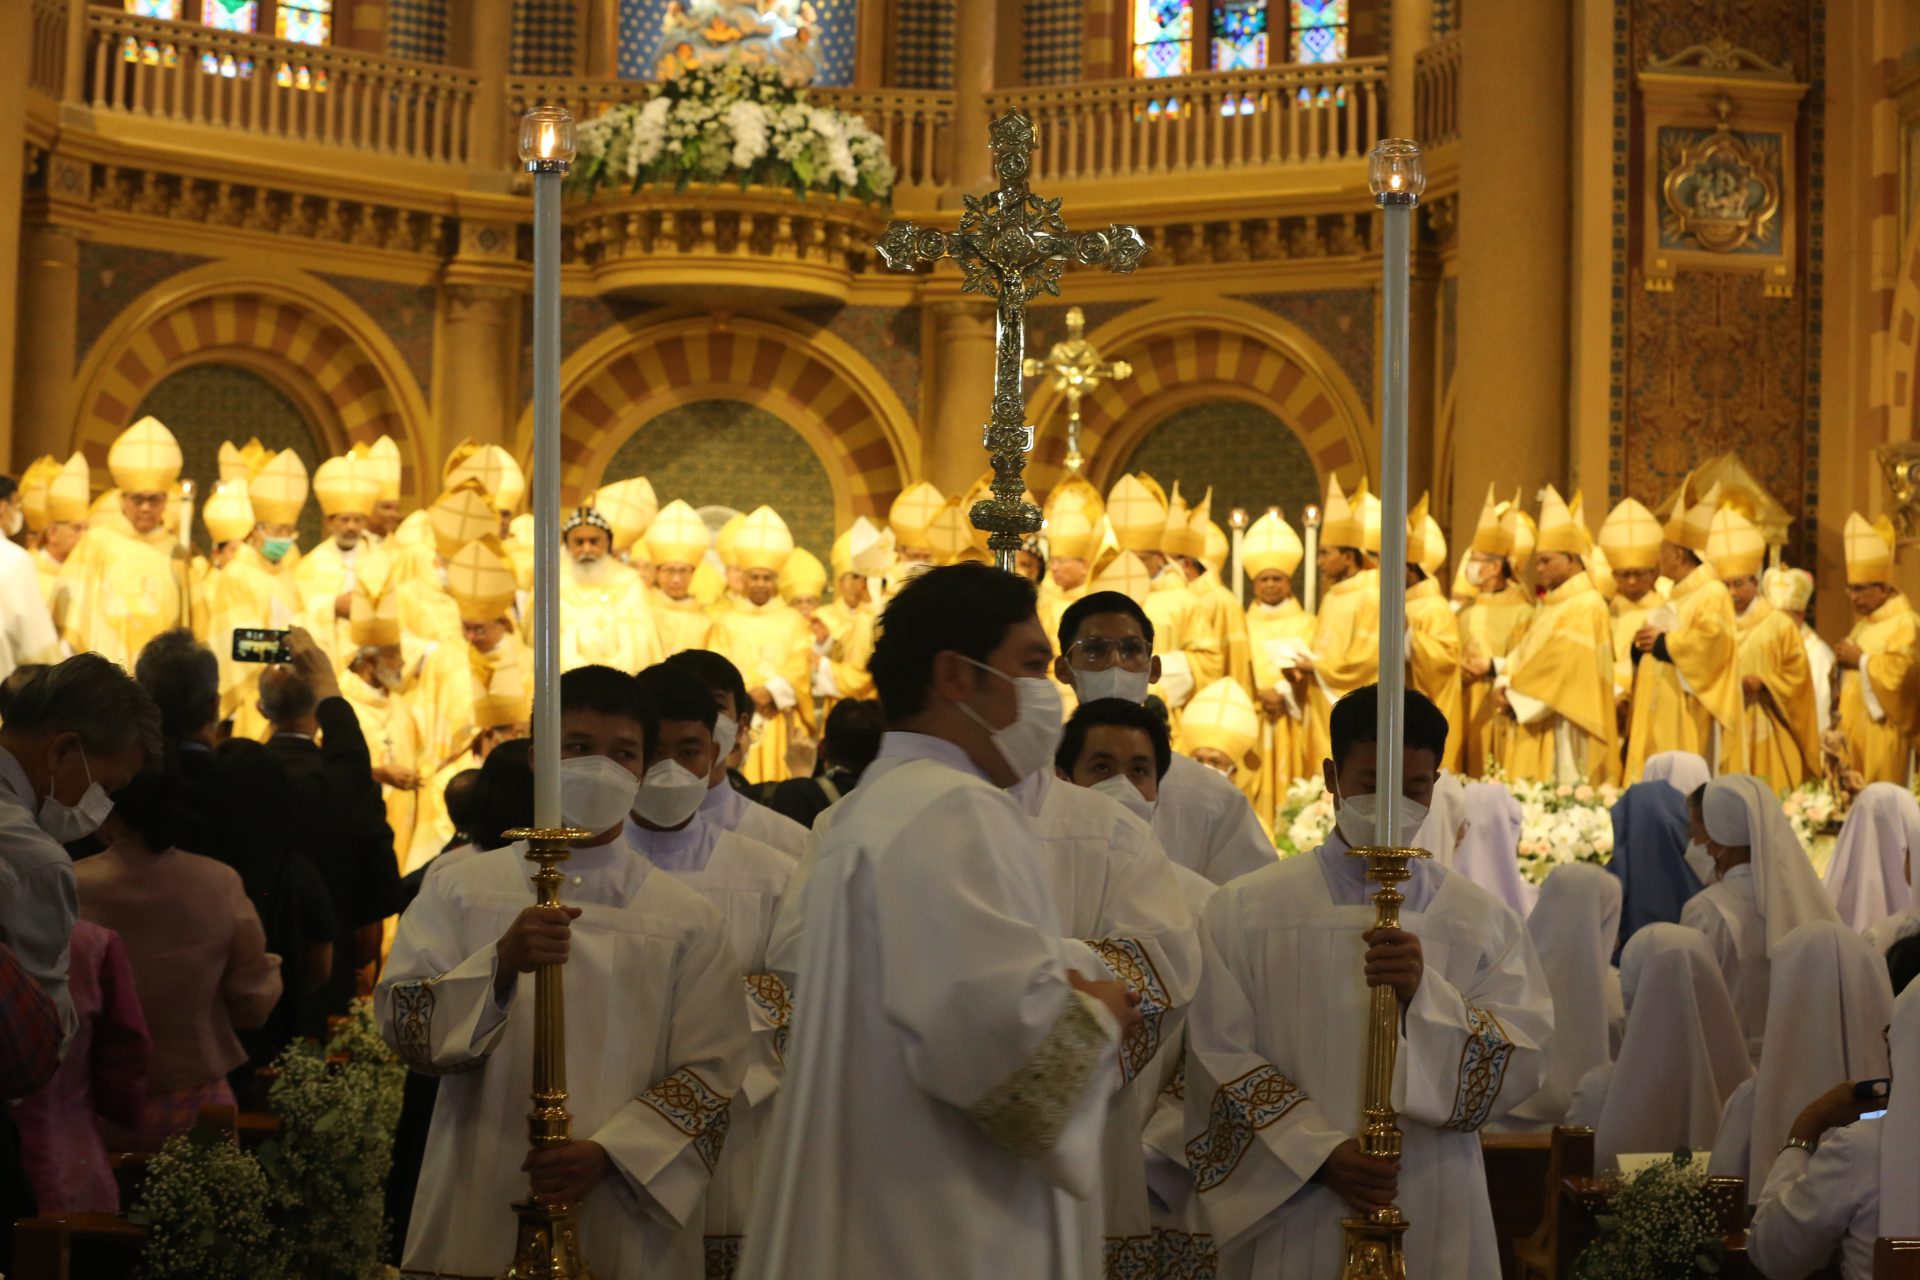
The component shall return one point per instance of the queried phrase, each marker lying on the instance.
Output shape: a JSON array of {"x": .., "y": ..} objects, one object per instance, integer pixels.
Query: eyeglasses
[{"x": 1097, "y": 652}]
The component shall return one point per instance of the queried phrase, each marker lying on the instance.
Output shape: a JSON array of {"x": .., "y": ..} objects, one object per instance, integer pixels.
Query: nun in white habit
[
  {"x": 1573, "y": 927},
  {"x": 1487, "y": 851},
  {"x": 1832, "y": 990},
  {"x": 1684, "y": 771},
  {"x": 1764, "y": 890},
  {"x": 1846, "y": 1180},
  {"x": 1681, "y": 1056},
  {"x": 1868, "y": 876}
]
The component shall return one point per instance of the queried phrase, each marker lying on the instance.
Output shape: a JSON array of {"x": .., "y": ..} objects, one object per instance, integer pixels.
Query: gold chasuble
[
  {"x": 683, "y": 623},
  {"x": 1561, "y": 669},
  {"x": 1433, "y": 659},
  {"x": 248, "y": 591},
  {"x": 678, "y": 537},
  {"x": 1488, "y": 628},
  {"x": 772, "y": 645},
  {"x": 393, "y": 740},
  {"x": 1872, "y": 717},
  {"x": 1628, "y": 617},
  {"x": 606, "y": 620},
  {"x": 1275, "y": 634},
  {"x": 1783, "y": 732},
  {"x": 1346, "y": 654},
  {"x": 1692, "y": 703},
  {"x": 480, "y": 580}
]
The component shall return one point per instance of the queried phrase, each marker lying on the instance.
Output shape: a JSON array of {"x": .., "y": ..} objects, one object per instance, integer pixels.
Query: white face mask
[
  {"x": 1028, "y": 744},
  {"x": 69, "y": 822},
  {"x": 669, "y": 795},
  {"x": 1359, "y": 818},
  {"x": 1700, "y": 862},
  {"x": 1115, "y": 682},
  {"x": 726, "y": 732},
  {"x": 595, "y": 793},
  {"x": 1121, "y": 788}
]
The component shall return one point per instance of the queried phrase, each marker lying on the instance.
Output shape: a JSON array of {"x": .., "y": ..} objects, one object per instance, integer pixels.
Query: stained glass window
[
  {"x": 230, "y": 15},
  {"x": 1239, "y": 35},
  {"x": 305, "y": 21},
  {"x": 1162, "y": 38},
  {"x": 167, "y": 9},
  {"x": 1319, "y": 31}
]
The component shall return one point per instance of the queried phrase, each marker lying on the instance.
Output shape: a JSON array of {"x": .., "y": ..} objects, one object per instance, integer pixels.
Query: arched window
[
  {"x": 1168, "y": 40},
  {"x": 302, "y": 21}
]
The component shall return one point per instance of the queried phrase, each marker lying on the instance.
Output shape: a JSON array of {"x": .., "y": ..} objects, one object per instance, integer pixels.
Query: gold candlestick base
[
  {"x": 548, "y": 1247},
  {"x": 1373, "y": 1246}
]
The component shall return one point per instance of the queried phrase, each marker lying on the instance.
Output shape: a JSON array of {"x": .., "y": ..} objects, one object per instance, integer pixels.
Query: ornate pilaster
[{"x": 478, "y": 342}]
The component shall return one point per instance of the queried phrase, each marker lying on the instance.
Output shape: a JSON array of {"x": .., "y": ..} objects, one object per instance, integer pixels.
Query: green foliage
[
  {"x": 1663, "y": 1225},
  {"x": 205, "y": 1206}
]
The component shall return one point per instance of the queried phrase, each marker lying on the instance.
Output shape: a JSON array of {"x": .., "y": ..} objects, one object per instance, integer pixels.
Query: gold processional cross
[
  {"x": 1077, "y": 371},
  {"x": 1012, "y": 246}
]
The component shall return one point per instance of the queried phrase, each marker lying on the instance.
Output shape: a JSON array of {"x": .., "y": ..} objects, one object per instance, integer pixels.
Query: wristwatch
[{"x": 1802, "y": 1143}]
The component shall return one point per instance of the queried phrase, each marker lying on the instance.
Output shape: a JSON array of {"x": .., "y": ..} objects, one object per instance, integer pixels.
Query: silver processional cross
[{"x": 1012, "y": 246}]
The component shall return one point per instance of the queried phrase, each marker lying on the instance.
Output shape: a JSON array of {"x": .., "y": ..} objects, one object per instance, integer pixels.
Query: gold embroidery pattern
[
  {"x": 1183, "y": 1255},
  {"x": 1241, "y": 1108},
  {"x": 1128, "y": 1258},
  {"x": 1483, "y": 1066},
  {"x": 1131, "y": 964},
  {"x": 1177, "y": 1082},
  {"x": 771, "y": 997},
  {"x": 723, "y": 1256},
  {"x": 685, "y": 1102},
  {"x": 1026, "y": 1112},
  {"x": 413, "y": 1030}
]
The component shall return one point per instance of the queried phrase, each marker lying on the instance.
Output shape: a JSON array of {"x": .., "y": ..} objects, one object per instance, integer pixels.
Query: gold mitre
[
  {"x": 1125, "y": 572},
  {"x": 145, "y": 459},
  {"x": 1218, "y": 549},
  {"x": 1559, "y": 529},
  {"x": 1270, "y": 544},
  {"x": 242, "y": 462},
  {"x": 1692, "y": 519},
  {"x": 1185, "y": 533},
  {"x": 1787, "y": 588},
  {"x": 865, "y": 549},
  {"x": 382, "y": 461},
  {"x": 227, "y": 512},
  {"x": 1433, "y": 547},
  {"x": 1073, "y": 513},
  {"x": 106, "y": 512},
  {"x": 1369, "y": 508},
  {"x": 1601, "y": 573},
  {"x": 1221, "y": 716},
  {"x": 950, "y": 534},
  {"x": 69, "y": 491},
  {"x": 1525, "y": 535},
  {"x": 1137, "y": 511},
  {"x": 373, "y": 614},
  {"x": 33, "y": 491},
  {"x": 279, "y": 489},
  {"x": 707, "y": 584},
  {"x": 1493, "y": 534},
  {"x": 630, "y": 507},
  {"x": 764, "y": 541},
  {"x": 1631, "y": 537},
  {"x": 802, "y": 576},
  {"x": 501, "y": 697},
  {"x": 678, "y": 535},
  {"x": 461, "y": 515},
  {"x": 1342, "y": 522},
  {"x": 480, "y": 579},
  {"x": 725, "y": 541},
  {"x": 1869, "y": 549},
  {"x": 1417, "y": 533},
  {"x": 499, "y": 475},
  {"x": 346, "y": 487},
  {"x": 519, "y": 548},
  {"x": 1735, "y": 546},
  {"x": 913, "y": 513}
]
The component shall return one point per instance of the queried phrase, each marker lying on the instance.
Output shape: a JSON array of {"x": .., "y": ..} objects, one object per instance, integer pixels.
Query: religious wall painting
[
  {"x": 1721, "y": 191},
  {"x": 808, "y": 41}
]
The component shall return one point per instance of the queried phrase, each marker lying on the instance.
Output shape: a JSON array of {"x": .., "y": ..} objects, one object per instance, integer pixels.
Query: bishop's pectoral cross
[{"x": 1011, "y": 246}]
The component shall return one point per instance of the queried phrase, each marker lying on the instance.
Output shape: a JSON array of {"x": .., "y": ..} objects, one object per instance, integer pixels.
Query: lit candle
[
  {"x": 1238, "y": 521},
  {"x": 1311, "y": 519},
  {"x": 185, "y": 512}
]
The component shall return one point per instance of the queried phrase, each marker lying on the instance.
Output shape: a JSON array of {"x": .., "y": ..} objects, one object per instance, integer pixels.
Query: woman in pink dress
[{"x": 103, "y": 1078}]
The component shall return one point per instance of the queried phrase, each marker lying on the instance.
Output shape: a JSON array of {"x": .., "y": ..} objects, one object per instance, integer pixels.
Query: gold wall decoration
[
  {"x": 1900, "y": 464},
  {"x": 1719, "y": 155}
]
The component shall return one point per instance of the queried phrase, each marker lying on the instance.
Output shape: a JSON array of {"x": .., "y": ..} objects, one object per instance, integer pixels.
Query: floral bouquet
[
  {"x": 732, "y": 121},
  {"x": 1562, "y": 824},
  {"x": 1814, "y": 809},
  {"x": 1304, "y": 817},
  {"x": 1663, "y": 1225}
]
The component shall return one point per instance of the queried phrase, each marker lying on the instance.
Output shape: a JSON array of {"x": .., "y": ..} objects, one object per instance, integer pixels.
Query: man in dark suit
[{"x": 338, "y": 818}]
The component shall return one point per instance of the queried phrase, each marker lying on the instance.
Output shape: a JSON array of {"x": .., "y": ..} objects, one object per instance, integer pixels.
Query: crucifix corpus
[
  {"x": 1077, "y": 369},
  {"x": 1012, "y": 246}
]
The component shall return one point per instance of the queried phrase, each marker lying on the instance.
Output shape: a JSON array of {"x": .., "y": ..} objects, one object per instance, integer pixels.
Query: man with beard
[{"x": 604, "y": 618}]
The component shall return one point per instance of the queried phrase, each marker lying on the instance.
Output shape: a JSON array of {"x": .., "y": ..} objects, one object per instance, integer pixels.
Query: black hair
[
  {"x": 285, "y": 695},
  {"x": 182, "y": 677},
  {"x": 678, "y": 694},
  {"x": 608, "y": 691},
  {"x": 1352, "y": 724},
  {"x": 147, "y": 805},
  {"x": 505, "y": 795},
  {"x": 1697, "y": 798},
  {"x": 1903, "y": 962},
  {"x": 962, "y": 608},
  {"x": 1119, "y": 713},
  {"x": 852, "y": 736},
  {"x": 463, "y": 800},
  {"x": 19, "y": 678},
  {"x": 714, "y": 673},
  {"x": 1095, "y": 605},
  {"x": 90, "y": 696}
]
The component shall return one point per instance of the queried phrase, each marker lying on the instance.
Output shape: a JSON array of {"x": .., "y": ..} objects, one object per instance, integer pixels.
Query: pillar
[
  {"x": 50, "y": 293},
  {"x": 16, "y": 48},
  {"x": 973, "y": 64},
  {"x": 954, "y": 454},
  {"x": 1412, "y": 31},
  {"x": 490, "y": 54},
  {"x": 477, "y": 395},
  {"x": 1515, "y": 182}
]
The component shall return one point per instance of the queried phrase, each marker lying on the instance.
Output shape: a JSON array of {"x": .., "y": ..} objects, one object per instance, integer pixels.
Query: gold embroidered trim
[
  {"x": 1027, "y": 1111},
  {"x": 413, "y": 1004},
  {"x": 1241, "y": 1108},
  {"x": 686, "y": 1102},
  {"x": 1131, "y": 964},
  {"x": 770, "y": 995},
  {"x": 1483, "y": 1068}
]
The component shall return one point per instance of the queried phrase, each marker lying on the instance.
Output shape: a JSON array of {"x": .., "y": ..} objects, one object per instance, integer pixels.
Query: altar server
[
  {"x": 1873, "y": 858},
  {"x": 1875, "y": 658},
  {"x": 1280, "y": 1025},
  {"x": 1776, "y": 685},
  {"x": 656, "y": 1038},
  {"x": 724, "y": 805}
]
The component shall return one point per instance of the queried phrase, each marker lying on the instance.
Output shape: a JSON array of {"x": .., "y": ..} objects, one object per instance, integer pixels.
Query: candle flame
[
  {"x": 546, "y": 141},
  {"x": 1395, "y": 181}
]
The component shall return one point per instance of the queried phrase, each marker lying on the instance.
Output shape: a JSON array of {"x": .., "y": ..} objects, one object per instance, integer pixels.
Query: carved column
[
  {"x": 16, "y": 48},
  {"x": 954, "y": 456},
  {"x": 1412, "y": 29},
  {"x": 43, "y": 361},
  {"x": 490, "y": 54},
  {"x": 973, "y": 58},
  {"x": 477, "y": 396}
]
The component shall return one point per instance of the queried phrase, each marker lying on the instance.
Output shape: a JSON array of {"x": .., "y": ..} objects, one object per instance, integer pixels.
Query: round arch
[
  {"x": 1899, "y": 392},
  {"x": 1183, "y": 356},
  {"x": 308, "y": 340},
  {"x": 817, "y": 384}
]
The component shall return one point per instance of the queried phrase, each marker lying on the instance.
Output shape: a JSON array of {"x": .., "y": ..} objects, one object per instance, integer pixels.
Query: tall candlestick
[
  {"x": 548, "y": 1245},
  {"x": 1237, "y": 520},
  {"x": 1374, "y": 1238},
  {"x": 184, "y": 509},
  {"x": 1310, "y": 518}
]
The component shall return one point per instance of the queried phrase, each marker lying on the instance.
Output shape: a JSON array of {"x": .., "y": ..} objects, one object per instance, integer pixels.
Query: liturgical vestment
[
  {"x": 1278, "y": 1040},
  {"x": 608, "y": 622},
  {"x": 1690, "y": 701},
  {"x": 1559, "y": 678},
  {"x": 1488, "y": 627},
  {"x": 1870, "y": 693},
  {"x": 1433, "y": 660},
  {"x": 772, "y": 645},
  {"x": 1782, "y": 727},
  {"x": 657, "y": 1044},
  {"x": 1346, "y": 655},
  {"x": 1628, "y": 617},
  {"x": 120, "y": 590},
  {"x": 1273, "y": 631},
  {"x": 684, "y": 623}
]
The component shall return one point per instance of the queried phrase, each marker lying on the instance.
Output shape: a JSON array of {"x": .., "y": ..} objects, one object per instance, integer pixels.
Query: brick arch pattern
[
  {"x": 1189, "y": 360},
  {"x": 857, "y": 431},
  {"x": 331, "y": 373},
  {"x": 1899, "y": 410}
]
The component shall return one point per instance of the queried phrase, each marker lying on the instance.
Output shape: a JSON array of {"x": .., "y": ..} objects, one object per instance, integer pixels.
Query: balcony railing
[
  {"x": 1436, "y": 92},
  {"x": 188, "y": 74}
]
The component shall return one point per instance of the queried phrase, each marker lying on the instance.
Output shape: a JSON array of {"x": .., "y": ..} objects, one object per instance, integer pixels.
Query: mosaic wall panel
[
  {"x": 543, "y": 37},
  {"x": 404, "y": 313},
  {"x": 725, "y": 452},
  {"x": 210, "y": 403},
  {"x": 417, "y": 29},
  {"x": 581, "y": 320},
  {"x": 1340, "y": 320},
  {"x": 831, "y": 52},
  {"x": 922, "y": 49},
  {"x": 111, "y": 277},
  {"x": 1246, "y": 454},
  {"x": 1051, "y": 53}
]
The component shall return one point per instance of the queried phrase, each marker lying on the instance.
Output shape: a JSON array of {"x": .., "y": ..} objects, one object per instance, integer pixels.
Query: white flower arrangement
[
  {"x": 1304, "y": 817},
  {"x": 1562, "y": 824},
  {"x": 205, "y": 1203},
  {"x": 1813, "y": 809},
  {"x": 735, "y": 122},
  {"x": 1662, "y": 1225}
]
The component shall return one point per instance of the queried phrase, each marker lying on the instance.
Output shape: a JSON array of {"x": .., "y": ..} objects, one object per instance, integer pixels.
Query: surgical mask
[
  {"x": 1114, "y": 682},
  {"x": 669, "y": 795},
  {"x": 1121, "y": 788},
  {"x": 595, "y": 792},
  {"x": 726, "y": 732},
  {"x": 1359, "y": 818},
  {"x": 1700, "y": 862},
  {"x": 1028, "y": 744},
  {"x": 69, "y": 822},
  {"x": 276, "y": 549}
]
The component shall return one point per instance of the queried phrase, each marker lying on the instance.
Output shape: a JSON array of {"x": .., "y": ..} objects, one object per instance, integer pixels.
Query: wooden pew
[
  {"x": 1896, "y": 1259},
  {"x": 1565, "y": 1225},
  {"x": 1517, "y": 1182},
  {"x": 75, "y": 1246}
]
